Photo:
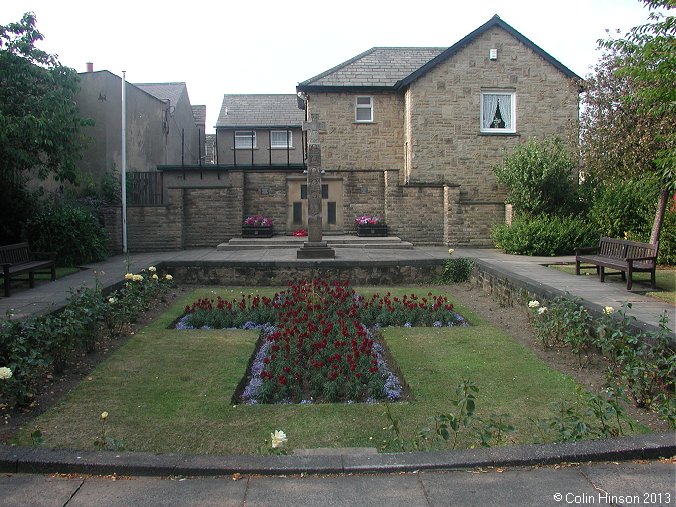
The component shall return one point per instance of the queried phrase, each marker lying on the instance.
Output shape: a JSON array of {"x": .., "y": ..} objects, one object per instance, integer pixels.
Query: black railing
[{"x": 144, "y": 188}]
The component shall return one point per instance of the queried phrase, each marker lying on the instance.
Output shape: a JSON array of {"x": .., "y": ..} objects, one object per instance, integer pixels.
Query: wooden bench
[
  {"x": 628, "y": 257},
  {"x": 18, "y": 259}
]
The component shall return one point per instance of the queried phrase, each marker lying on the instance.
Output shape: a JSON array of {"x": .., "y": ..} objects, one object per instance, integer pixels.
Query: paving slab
[
  {"x": 37, "y": 490},
  {"x": 376, "y": 490},
  {"x": 160, "y": 492},
  {"x": 535, "y": 487},
  {"x": 633, "y": 483}
]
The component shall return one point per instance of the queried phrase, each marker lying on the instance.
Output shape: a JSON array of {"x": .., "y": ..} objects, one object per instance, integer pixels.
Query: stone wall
[
  {"x": 265, "y": 193},
  {"x": 279, "y": 274},
  {"x": 152, "y": 228},
  {"x": 349, "y": 145},
  {"x": 444, "y": 136},
  {"x": 363, "y": 194},
  {"x": 416, "y": 212},
  {"x": 203, "y": 208}
]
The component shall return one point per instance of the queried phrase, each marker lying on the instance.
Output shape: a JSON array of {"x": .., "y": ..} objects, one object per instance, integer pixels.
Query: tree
[
  {"x": 642, "y": 85},
  {"x": 39, "y": 120}
]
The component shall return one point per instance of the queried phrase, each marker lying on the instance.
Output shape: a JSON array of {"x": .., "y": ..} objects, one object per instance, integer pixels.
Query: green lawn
[
  {"x": 170, "y": 391},
  {"x": 665, "y": 279}
]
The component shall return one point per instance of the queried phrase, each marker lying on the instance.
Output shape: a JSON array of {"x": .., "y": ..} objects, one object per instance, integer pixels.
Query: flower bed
[{"x": 320, "y": 341}]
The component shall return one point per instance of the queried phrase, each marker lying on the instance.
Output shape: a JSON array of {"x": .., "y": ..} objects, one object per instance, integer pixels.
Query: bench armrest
[
  {"x": 650, "y": 258},
  {"x": 586, "y": 250}
]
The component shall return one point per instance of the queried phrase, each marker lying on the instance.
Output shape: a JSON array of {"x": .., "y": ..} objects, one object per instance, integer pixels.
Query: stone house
[
  {"x": 411, "y": 134},
  {"x": 423, "y": 127}
]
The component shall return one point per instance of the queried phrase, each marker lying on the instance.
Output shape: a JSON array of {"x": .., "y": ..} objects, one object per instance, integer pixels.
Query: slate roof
[
  {"x": 377, "y": 67},
  {"x": 396, "y": 68},
  {"x": 199, "y": 112},
  {"x": 260, "y": 111},
  {"x": 164, "y": 91}
]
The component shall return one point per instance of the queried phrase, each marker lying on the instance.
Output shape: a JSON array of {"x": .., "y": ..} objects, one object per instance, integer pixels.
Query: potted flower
[
  {"x": 371, "y": 225},
  {"x": 257, "y": 226}
]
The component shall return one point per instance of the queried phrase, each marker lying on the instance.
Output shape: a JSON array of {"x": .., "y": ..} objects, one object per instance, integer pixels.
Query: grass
[
  {"x": 665, "y": 279},
  {"x": 170, "y": 391}
]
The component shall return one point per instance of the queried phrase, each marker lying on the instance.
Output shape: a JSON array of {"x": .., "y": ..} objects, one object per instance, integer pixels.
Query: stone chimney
[{"x": 90, "y": 67}]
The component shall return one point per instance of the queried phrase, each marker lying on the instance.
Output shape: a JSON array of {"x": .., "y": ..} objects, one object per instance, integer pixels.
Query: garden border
[
  {"x": 508, "y": 288},
  {"x": 32, "y": 460}
]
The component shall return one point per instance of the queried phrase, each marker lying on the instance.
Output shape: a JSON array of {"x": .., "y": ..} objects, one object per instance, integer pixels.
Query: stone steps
[{"x": 337, "y": 241}]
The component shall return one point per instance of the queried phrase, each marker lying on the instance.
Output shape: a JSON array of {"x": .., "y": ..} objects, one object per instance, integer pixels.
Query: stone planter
[
  {"x": 250, "y": 231},
  {"x": 377, "y": 230}
]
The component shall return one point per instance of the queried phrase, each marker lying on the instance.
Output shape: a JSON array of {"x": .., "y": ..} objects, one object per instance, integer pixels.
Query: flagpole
[{"x": 124, "y": 162}]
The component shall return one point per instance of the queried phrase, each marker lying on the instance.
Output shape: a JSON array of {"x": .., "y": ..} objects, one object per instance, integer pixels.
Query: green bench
[{"x": 18, "y": 259}]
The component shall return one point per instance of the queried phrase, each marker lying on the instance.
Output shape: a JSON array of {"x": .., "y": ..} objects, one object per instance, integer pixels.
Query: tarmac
[{"x": 620, "y": 471}]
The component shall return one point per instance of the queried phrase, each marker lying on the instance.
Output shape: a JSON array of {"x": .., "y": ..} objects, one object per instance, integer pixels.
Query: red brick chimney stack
[{"x": 90, "y": 67}]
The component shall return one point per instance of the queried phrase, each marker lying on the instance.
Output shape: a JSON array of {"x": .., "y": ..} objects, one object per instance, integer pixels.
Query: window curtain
[
  {"x": 490, "y": 107},
  {"x": 506, "y": 110}
]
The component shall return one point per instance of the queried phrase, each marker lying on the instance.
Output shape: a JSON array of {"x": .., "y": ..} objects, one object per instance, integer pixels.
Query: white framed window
[
  {"x": 281, "y": 139},
  {"x": 363, "y": 109},
  {"x": 498, "y": 111},
  {"x": 245, "y": 139}
]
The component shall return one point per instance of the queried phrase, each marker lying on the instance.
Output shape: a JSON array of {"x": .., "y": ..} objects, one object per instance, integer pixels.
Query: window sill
[
  {"x": 248, "y": 148},
  {"x": 282, "y": 148},
  {"x": 363, "y": 122},
  {"x": 500, "y": 134}
]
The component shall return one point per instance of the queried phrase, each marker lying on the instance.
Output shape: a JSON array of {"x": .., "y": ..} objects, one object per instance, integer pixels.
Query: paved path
[
  {"x": 527, "y": 270},
  {"x": 639, "y": 483}
]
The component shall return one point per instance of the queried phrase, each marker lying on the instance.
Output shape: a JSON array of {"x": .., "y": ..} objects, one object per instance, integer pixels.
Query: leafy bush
[
  {"x": 667, "y": 251},
  {"x": 625, "y": 207},
  {"x": 457, "y": 270},
  {"x": 541, "y": 178},
  {"x": 545, "y": 235},
  {"x": 68, "y": 229}
]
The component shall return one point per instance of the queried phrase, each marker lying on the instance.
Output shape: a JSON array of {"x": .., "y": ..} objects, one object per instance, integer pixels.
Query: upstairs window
[
  {"x": 363, "y": 109},
  {"x": 281, "y": 139},
  {"x": 498, "y": 112},
  {"x": 245, "y": 139}
]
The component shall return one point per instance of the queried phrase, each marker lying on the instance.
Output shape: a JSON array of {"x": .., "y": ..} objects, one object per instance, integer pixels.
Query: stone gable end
[{"x": 444, "y": 142}]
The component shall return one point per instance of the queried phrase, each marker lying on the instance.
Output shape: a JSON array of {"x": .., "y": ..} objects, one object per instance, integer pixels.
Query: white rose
[
  {"x": 278, "y": 438},
  {"x": 5, "y": 373}
]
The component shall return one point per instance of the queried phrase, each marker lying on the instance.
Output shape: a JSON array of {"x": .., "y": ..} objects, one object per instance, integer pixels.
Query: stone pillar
[
  {"x": 451, "y": 215},
  {"x": 314, "y": 247}
]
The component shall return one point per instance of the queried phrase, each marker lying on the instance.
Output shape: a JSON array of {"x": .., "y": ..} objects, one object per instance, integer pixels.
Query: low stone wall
[
  {"x": 511, "y": 290},
  {"x": 263, "y": 274}
]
